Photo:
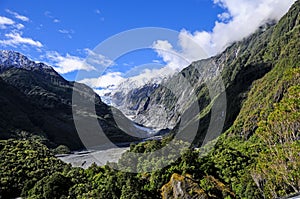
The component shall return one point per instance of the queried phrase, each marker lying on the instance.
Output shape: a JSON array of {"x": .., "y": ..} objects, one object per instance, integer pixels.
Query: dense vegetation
[
  {"x": 257, "y": 157},
  {"x": 35, "y": 173}
]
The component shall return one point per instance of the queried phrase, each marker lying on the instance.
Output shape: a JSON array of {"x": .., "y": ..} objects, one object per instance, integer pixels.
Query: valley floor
[{"x": 85, "y": 159}]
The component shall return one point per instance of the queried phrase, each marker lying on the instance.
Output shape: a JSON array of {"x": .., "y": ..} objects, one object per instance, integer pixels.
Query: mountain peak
[{"x": 13, "y": 59}]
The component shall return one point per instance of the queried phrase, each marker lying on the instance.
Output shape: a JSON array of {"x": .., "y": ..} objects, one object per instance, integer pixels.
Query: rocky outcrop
[
  {"x": 134, "y": 100},
  {"x": 182, "y": 187},
  {"x": 185, "y": 187}
]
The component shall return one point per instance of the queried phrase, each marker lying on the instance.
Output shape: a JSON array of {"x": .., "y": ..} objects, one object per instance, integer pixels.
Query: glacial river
[
  {"x": 84, "y": 159},
  {"x": 109, "y": 153}
]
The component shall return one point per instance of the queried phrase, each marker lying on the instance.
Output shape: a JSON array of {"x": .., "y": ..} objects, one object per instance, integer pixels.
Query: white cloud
[
  {"x": 98, "y": 60},
  {"x": 174, "y": 60},
  {"x": 156, "y": 61},
  {"x": 68, "y": 33},
  {"x": 49, "y": 15},
  {"x": 105, "y": 81},
  {"x": 19, "y": 26},
  {"x": 190, "y": 50},
  {"x": 64, "y": 31},
  {"x": 224, "y": 16},
  {"x": 68, "y": 63},
  {"x": 196, "y": 46},
  {"x": 240, "y": 19},
  {"x": 15, "y": 39},
  {"x": 246, "y": 16},
  {"x": 155, "y": 75},
  {"x": 17, "y": 15},
  {"x": 5, "y": 21},
  {"x": 111, "y": 81}
]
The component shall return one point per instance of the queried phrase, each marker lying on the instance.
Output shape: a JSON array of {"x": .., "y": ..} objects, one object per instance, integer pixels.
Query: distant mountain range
[
  {"x": 238, "y": 66},
  {"x": 36, "y": 100},
  {"x": 162, "y": 105}
]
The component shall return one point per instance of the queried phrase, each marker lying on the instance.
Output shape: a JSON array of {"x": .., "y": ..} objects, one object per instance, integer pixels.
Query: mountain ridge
[
  {"x": 13, "y": 59},
  {"x": 161, "y": 100},
  {"x": 49, "y": 98}
]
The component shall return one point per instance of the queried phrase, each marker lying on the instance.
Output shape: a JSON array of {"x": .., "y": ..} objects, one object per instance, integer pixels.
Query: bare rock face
[
  {"x": 182, "y": 187},
  {"x": 185, "y": 187}
]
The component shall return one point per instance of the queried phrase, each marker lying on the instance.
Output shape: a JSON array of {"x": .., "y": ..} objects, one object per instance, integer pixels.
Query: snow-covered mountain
[
  {"x": 160, "y": 102},
  {"x": 12, "y": 59},
  {"x": 131, "y": 95}
]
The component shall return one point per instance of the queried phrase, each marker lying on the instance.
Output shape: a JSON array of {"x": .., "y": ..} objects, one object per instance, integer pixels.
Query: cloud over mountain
[{"x": 239, "y": 20}]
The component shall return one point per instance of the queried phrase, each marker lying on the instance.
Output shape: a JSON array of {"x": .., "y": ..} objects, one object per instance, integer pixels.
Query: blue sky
[
  {"x": 63, "y": 34},
  {"x": 73, "y": 26}
]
